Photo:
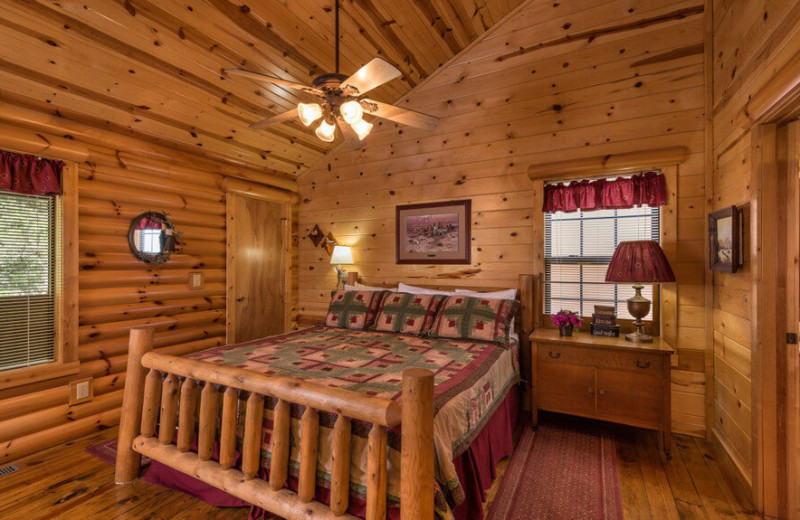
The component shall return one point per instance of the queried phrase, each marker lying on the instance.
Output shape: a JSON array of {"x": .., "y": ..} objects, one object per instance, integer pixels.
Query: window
[
  {"x": 578, "y": 248},
  {"x": 27, "y": 280},
  {"x": 150, "y": 241}
]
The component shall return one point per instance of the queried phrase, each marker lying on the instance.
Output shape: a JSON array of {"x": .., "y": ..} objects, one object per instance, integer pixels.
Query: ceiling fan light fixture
[
  {"x": 362, "y": 129},
  {"x": 309, "y": 112},
  {"x": 326, "y": 131},
  {"x": 351, "y": 112}
]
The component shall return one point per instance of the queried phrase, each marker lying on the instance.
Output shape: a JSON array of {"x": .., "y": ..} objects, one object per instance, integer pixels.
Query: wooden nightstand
[{"x": 610, "y": 379}]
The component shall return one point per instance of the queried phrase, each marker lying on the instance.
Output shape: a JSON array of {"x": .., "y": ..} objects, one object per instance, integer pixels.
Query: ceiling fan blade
[
  {"x": 350, "y": 136},
  {"x": 373, "y": 74},
  {"x": 275, "y": 81},
  {"x": 400, "y": 115},
  {"x": 274, "y": 120}
]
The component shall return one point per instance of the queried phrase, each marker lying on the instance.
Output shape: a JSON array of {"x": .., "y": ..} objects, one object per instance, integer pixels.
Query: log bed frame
[{"x": 162, "y": 389}]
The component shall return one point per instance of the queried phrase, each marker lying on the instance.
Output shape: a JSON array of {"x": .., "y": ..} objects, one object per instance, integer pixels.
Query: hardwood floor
[{"x": 66, "y": 482}]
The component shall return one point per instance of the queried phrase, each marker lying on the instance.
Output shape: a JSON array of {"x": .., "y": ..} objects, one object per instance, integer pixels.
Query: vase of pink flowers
[{"x": 566, "y": 321}]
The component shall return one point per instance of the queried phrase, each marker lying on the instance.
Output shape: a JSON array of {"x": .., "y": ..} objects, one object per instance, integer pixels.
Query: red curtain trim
[
  {"x": 648, "y": 188},
  {"x": 29, "y": 175}
]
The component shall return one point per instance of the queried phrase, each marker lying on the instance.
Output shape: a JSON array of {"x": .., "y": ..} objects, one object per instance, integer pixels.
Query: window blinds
[
  {"x": 578, "y": 249},
  {"x": 27, "y": 279}
]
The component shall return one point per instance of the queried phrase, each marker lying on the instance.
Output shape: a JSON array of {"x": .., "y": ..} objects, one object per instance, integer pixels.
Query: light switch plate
[
  {"x": 81, "y": 390},
  {"x": 195, "y": 280}
]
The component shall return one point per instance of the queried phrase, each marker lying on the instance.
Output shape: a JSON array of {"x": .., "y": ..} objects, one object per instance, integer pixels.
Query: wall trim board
[
  {"x": 610, "y": 163},
  {"x": 21, "y": 140},
  {"x": 777, "y": 100}
]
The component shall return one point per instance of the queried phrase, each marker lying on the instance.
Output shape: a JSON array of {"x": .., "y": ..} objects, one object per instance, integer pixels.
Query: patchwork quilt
[{"x": 471, "y": 380}]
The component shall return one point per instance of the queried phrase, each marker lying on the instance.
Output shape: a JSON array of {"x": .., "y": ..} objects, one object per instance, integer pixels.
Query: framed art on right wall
[{"x": 725, "y": 240}]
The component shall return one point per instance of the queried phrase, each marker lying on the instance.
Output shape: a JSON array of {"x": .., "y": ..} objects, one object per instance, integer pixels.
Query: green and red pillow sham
[
  {"x": 353, "y": 309},
  {"x": 407, "y": 313},
  {"x": 464, "y": 317}
]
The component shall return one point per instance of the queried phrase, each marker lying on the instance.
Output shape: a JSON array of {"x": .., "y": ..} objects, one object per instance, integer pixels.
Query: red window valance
[
  {"x": 648, "y": 188},
  {"x": 30, "y": 175}
]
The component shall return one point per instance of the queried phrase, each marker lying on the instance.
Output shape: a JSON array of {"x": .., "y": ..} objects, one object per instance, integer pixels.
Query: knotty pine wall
[
  {"x": 554, "y": 80},
  {"x": 117, "y": 291},
  {"x": 751, "y": 40}
]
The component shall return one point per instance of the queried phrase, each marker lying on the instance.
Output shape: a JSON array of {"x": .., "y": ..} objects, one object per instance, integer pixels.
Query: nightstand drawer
[{"x": 639, "y": 362}]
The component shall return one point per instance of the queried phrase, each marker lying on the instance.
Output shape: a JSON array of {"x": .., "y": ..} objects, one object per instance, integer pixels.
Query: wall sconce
[
  {"x": 342, "y": 255},
  {"x": 320, "y": 239}
]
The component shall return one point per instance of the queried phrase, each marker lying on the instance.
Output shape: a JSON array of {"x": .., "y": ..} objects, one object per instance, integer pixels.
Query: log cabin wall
[
  {"x": 553, "y": 80},
  {"x": 751, "y": 41},
  {"x": 117, "y": 291}
]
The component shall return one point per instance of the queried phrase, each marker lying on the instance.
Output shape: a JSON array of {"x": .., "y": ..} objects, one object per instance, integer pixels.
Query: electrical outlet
[
  {"x": 81, "y": 391},
  {"x": 195, "y": 280}
]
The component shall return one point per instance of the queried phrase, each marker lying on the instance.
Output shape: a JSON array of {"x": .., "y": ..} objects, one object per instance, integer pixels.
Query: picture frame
[
  {"x": 434, "y": 233},
  {"x": 725, "y": 240}
]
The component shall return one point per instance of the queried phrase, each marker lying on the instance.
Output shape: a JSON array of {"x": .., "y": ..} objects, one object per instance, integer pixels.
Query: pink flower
[{"x": 566, "y": 318}]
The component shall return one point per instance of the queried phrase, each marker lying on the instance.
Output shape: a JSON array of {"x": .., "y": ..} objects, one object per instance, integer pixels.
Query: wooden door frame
[
  {"x": 230, "y": 269},
  {"x": 771, "y": 114},
  {"x": 775, "y": 390}
]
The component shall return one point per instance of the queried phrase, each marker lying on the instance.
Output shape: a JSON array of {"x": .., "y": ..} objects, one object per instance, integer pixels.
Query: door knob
[
  {"x": 240, "y": 299},
  {"x": 601, "y": 392},
  {"x": 590, "y": 390}
]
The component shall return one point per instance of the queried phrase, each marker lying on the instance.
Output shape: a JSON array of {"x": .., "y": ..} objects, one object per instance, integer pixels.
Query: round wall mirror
[{"x": 152, "y": 237}]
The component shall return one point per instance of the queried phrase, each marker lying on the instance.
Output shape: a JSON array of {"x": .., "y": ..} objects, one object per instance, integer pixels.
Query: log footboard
[{"x": 162, "y": 390}]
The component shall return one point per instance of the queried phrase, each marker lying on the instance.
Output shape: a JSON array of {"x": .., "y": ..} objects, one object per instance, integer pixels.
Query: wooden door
[
  {"x": 258, "y": 268},
  {"x": 566, "y": 388}
]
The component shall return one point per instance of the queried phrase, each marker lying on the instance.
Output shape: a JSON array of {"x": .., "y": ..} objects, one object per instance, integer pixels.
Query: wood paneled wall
[
  {"x": 554, "y": 80},
  {"x": 751, "y": 40},
  {"x": 117, "y": 291}
]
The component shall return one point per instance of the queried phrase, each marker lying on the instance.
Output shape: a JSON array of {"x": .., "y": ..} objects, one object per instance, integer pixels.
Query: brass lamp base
[{"x": 638, "y": 307}]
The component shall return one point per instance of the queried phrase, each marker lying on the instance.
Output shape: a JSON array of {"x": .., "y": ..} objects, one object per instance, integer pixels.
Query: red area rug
[
  {"x": 107, "y": 452},
  {"x": 565, "y": 470}
]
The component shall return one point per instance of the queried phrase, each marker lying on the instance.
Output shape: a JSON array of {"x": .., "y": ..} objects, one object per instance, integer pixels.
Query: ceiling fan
[{"x": 342, "y": 101}]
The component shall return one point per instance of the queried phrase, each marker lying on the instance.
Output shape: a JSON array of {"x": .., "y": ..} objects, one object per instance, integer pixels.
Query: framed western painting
[
  {"x": 725, "y": 240},
  {"x": 436, "y": 233}
]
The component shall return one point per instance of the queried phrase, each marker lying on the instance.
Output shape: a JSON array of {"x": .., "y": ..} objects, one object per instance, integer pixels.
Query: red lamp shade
[{"x": 639, "y": 261}]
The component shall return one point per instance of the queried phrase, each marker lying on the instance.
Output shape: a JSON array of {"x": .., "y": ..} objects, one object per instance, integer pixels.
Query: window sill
[{"x": 28, "y": 375}]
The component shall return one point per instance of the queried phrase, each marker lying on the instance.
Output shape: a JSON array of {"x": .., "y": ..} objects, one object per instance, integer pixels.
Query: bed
[{"x": 317, "y": 436}]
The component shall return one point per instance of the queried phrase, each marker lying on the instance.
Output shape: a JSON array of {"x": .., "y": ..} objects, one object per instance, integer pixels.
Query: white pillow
[
  {"x": 508, "y": 294},
  {"x": 412, "y": 289},
  {"x": 362, "y": 287}
]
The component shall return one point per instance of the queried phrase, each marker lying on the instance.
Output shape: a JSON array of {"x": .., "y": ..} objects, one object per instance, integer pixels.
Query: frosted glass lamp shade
[
  {"x": 309, "y": 112},
  {"x": 351, "y": 112},
  {"x": 326, "y": 131},
  {"x": 342, "y": 255},
  {"x": 362, "y": 129}
]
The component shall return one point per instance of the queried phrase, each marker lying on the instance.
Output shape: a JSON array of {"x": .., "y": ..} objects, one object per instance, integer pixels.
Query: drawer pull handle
[
  {"x": 639, "y": 364},
  {"x": 601, "y": 392},
  {"x": 554, "y": 355}
]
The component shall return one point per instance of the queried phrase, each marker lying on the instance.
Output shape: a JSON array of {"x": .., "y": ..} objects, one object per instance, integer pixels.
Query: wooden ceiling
[{"x": 153, "y": 68}]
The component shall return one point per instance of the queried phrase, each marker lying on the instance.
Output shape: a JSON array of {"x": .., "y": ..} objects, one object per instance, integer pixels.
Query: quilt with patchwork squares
[{"x": 471, "y": 380}]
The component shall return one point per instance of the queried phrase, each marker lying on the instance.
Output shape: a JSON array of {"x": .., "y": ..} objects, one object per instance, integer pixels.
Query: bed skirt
[{"x": 475, "y": 468}]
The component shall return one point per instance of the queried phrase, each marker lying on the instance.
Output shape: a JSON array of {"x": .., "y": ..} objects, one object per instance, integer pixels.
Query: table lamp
[
  {"x": 639, "y": 261},
  {"x": 342, "y": 255}
]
